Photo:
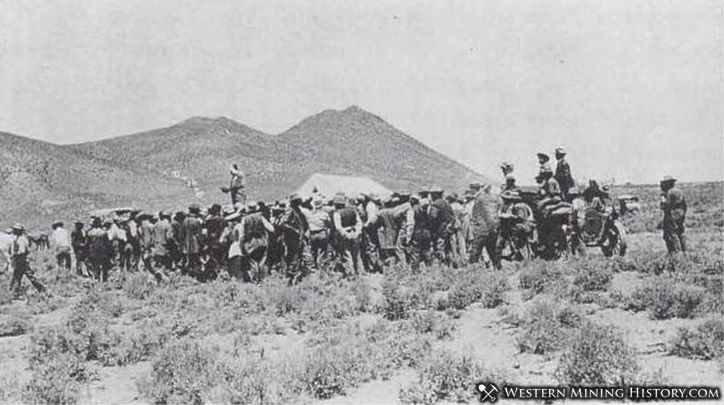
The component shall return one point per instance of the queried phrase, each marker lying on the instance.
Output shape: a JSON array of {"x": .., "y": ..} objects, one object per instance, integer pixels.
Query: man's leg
[
  {"x": 30, "y": 274},
  {"x": 476, "y": 249},
  {"x": 490, "y": 247}
]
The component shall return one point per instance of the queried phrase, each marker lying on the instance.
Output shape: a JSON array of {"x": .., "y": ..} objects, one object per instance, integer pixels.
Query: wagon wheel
[{"x": 616, "y": 243}]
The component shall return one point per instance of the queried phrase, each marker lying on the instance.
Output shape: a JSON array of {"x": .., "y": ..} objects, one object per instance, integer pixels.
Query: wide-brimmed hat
[
  {"x": 436, "y": 190},
  {"x": 668, "y": 179},
  {"x": 57, "y": 223},
  {"x": 295, "y": 197},
  {"x": 542, "y": 156},
  {"x": 78, "y": 221},
  {"x": 252, "y": 207},
  {"x": 18, "y": 227},
  {"x": 561, "y": 151},
  {"x": 509, "y": 178},
  {"x": 164, "y": 214}
]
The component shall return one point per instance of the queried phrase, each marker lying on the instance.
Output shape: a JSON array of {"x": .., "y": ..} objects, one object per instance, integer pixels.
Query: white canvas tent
[{"x": 329, "y": 185}]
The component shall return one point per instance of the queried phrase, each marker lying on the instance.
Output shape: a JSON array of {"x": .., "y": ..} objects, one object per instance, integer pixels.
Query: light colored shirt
[
  {"x": 235, "y": 247},
  {"x": 21, "y": 245},
  {"x": 60, "y": 238},
  {"x": 6, "y": 246}
]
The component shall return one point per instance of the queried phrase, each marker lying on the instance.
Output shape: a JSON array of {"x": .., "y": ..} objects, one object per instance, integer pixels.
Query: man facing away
[
  {"x": 348, "y": 227},
  {"x": 79, "y": 244},
  {"x": 673, "y": 203},
  {"x": 20, "y": 251},
  {"x": 60, "y": 240}
]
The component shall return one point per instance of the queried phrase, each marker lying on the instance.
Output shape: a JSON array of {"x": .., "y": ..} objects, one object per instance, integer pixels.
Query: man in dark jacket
[
  {"x": 191, "y": 233},
  {"x": 294, "y": 227},
  {"x": 442, "y": 221},
  {"x": 484, "y": 225},
  {"x": 78, "y": 241},
  {"x": 421, "y": 247},
  {"x": 563, "y": 173},
  {"x": 673, "y": 203},
  {"x": 347, "y": 231}
]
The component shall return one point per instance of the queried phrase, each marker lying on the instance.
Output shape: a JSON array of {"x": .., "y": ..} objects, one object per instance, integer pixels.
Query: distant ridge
[{"x": 169, "y": 167}]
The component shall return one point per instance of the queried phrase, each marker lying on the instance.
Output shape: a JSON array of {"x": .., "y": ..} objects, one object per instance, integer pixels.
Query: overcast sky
[{"x": 633, "y": 89}]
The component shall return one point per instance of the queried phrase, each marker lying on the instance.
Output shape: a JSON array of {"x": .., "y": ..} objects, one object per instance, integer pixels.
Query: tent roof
[{"x": 328, "y": 184}]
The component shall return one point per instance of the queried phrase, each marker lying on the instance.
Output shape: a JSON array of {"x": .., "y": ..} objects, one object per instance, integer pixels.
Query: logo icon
[{"x": 488, "y": 392}]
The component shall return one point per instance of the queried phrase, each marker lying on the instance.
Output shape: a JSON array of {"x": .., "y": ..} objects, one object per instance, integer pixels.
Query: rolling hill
[
  {"x": 40, "y": 180},
  {"x": 351, "y": 141},
  {"x": 170, "y": 167}
]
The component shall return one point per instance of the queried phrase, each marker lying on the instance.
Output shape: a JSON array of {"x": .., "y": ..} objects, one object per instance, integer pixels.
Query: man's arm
[
  {"x": 267, "y": 225},
  {"x": 409, "y": 223},
  {"x": 337, "y": 220}
]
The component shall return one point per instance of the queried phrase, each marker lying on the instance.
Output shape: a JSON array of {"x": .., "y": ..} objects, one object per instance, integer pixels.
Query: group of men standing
[{"x": 349, "y": 232}]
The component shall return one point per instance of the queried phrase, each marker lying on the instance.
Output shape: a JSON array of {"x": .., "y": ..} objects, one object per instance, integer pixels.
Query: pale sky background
[{"x": 633, "y": 89}]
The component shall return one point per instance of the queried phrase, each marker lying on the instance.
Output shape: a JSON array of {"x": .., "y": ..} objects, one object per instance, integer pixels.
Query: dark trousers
[
  {"x": 488, "y": 242},
  {"x": 347, "y": 255},
  {"x": 98, "y": 267},
  {"x": 253, "y": 265},
  {"x": 674, "y": 234},
  {"x": 22, "y": 268},
  {"x": 319, "y": 241},
  {"x": 63, "y": 258},
  {"x": 293, "y": 258},
  {"x": 421, "y": 252}
]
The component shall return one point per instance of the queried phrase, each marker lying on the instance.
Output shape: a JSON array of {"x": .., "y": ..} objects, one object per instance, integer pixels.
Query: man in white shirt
[
  {"x": 6, "y": 249},
  {"x": 60, "y": 241}
]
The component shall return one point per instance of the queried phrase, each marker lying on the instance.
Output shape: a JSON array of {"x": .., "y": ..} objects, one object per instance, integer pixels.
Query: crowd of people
[{"x": 346, "y": 233}]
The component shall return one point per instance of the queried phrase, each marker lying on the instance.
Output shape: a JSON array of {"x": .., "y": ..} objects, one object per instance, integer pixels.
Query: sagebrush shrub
[
  {"x": 138, "y": 286},
  {"x": 182, "y": 373},
  {"x": 429, "y": 321},
  {"x": 706, "y": 342},
  {"x": 446, "y": 377},
  {"x": 597, "y": 355},
  {"x": 667, "y": 297},
  {"x": 57, "y": 380},
  {"x": 547, "y": 326}
]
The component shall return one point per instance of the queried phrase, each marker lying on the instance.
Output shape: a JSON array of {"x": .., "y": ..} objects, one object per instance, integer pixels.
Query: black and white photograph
[{"x": 361, "y": 202}]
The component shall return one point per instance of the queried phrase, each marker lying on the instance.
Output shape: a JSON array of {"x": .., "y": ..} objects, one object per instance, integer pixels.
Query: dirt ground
[{"x": 478, "y": 331}]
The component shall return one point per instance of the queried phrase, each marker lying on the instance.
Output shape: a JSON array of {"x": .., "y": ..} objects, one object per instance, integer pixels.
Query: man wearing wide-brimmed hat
[
  {"x": 20, "y": 252},
  {"x": 191, "y": 233},
  {"x": 673, "y": 203},
  {"x": 163, "y": 239},
  {"x": 79, "y": 244},
  {"x": 347, "y": 230},
  {"x": 293, "y": 226},
  {"x": 443, "y": 226},
  {"x": 61, "y": 243},
  {"x": 563, "y": 173},
  {"x": 516, "y": 225},
  {"x": 215, "y": 225},
  {"x": 253, "y": 238},
  {"x": 320, "y": 225}
]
